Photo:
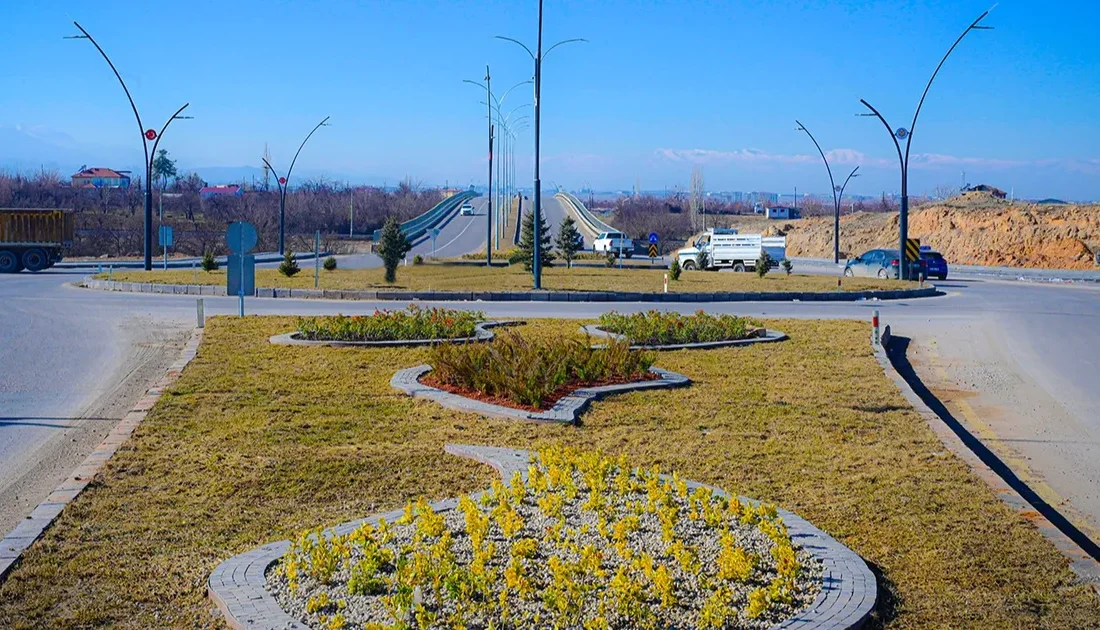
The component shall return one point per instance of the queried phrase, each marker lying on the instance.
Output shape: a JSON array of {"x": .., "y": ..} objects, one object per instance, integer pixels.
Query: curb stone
[
  {"x": 1082, "y": 564},
  {"x": 768, "y": 337},
  {"x": 524, "y": 296},
  {"x": 481, "y": 334},
  {"x": 566, "y": 410},
  {"x": 238, "y": 586},
  {"x": 31, "y": 528}
]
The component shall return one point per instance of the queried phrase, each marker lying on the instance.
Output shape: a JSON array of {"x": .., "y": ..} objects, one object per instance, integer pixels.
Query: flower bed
[
  {"x": 534, "y": 373},
  {"x": 661, "y": 328},
  {"x": 410, "y": 324},
  {"x": 579, "y": 541}
]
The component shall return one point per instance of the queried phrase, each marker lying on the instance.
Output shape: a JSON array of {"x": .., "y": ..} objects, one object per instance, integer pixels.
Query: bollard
[
  {"x": 874, "y": 325},
  {"x": 920, "y": 278},
  {"x": 194, "y": 273},
  {"x": 200, "y": 313},
  {"x": 110, "y": 272},
  {"x": 838, "y": 284},
  {"x": 666, "y": 283}
]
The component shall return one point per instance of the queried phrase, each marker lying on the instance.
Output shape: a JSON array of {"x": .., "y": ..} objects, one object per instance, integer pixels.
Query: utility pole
[{"x": 489, "y": 212}]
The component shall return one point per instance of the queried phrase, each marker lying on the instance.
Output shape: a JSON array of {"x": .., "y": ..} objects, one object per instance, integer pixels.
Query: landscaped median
[
  {"x": 471, "y": 282},
  {"x": 257, "y": 442}
]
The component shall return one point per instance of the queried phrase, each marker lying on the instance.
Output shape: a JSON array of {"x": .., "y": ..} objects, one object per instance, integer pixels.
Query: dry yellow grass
[
  {"x": 256, "y": 442},
  {"x": 440, "y": 277}
]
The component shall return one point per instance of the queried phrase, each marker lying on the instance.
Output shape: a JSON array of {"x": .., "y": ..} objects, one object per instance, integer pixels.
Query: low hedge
[
  {"x": 657, "y": 327},
  {"x": 412, "y": 323}
]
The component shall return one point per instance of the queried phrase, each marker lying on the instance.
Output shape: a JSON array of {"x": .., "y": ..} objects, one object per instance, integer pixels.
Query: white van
[{"x": 727, "y": 248}]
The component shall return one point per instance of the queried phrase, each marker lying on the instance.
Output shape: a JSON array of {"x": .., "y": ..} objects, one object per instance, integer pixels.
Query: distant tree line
[{"x": 109, "y": 220}]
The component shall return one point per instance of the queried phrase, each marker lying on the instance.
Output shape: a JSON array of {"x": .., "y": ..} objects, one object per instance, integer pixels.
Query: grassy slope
[
  {"x": 256, "y": 442},
  {"x": 429, "y": 277}
]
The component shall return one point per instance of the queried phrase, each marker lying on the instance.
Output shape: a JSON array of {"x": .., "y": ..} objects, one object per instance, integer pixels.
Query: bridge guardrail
[
  {"x": 586, "y": 216},
  {"x": 415, "y": 228}
]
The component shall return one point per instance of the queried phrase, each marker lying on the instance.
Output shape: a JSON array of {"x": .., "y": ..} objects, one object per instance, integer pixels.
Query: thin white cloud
[{"x": 852, "y": 157}]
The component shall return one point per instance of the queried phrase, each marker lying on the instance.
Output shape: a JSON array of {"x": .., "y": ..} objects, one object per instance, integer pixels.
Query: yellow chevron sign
[
  {"x": 652, "y": 250},
  {"x": 912, "y": 249}
]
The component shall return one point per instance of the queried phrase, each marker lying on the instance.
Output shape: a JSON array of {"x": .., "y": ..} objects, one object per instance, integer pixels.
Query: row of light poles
[
  {"x": 151, "y": 135},
  {"x": 897, "y": 136}
]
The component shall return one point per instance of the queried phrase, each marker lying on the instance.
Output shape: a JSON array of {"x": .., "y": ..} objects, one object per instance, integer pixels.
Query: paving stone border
[
  {"x": 566, "y": 410},
  {"x": 238, "y": 586},
  {"x": 31, "y": 528},
  {"x": 481, "y": 333},
  {"x": 769, "y": 336},
  {"x": 520, "y": 296}
]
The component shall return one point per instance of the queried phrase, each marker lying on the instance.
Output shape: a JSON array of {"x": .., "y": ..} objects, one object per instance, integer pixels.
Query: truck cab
[{"x": 615, "y": 243}]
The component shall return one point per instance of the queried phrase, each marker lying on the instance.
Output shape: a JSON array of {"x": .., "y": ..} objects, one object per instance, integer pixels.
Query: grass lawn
[
  {"x": 256, "y": 442},
  {"x": 440, "y": 277}
]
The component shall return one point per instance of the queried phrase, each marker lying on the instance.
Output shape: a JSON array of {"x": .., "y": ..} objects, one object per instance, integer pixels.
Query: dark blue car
[{"x": 935, "y": 262}]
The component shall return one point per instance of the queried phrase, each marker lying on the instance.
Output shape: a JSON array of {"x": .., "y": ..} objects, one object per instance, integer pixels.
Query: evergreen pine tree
[
  {"x": 392, "y": 247},
  {"x": 569, "y": 240},
  {"x": 289, "y": 267},
  {"x": 527, "y": 242}
]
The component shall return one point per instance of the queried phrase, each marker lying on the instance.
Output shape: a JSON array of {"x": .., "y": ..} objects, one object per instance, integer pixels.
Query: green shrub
[
  {"x": 418, "y": 260},
  {"x": 763, "y": 264},
  {"x": 609, "y": 259},
  {"x": 329, "y": 264},
  {"x": 392, "y": 247},
  {"x": 674, "y": 270},
  {"x": 529, "y": 372},
  {"x": 657, "y": 327},
  {"x": 289, "y": 267},
  {"x": 208, "y": 262},
  {"x": 702, "y": 259},
  {"x": 411, "y": 323},
  {"x": 787, "y": 265}
]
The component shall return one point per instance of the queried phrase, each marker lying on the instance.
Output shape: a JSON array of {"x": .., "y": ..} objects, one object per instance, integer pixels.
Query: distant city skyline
[{"x": 1013, "y": 107}]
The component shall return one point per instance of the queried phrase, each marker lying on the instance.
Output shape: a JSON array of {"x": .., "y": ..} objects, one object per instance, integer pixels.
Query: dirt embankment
[{"x": 967, "y": 230}]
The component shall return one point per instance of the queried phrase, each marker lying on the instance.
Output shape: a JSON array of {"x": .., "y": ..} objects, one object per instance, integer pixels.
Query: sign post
[
  {"x": 653, "y": 239},
  {"x": 166, "y": 241},
  {"x": 241, "y": 267},
  {"x": 317, "y": 259},
  {"x": 433, "y": 232}
]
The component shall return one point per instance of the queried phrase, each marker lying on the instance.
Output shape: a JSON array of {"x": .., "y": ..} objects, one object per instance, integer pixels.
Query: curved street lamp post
[
  {"x": 536, "y": 266},
  {"x": 906, "y": 135},
  {"x": 283, "y": 182},
  {"x": 147, "y": 135},
  {"x": 838, "y": 193}
]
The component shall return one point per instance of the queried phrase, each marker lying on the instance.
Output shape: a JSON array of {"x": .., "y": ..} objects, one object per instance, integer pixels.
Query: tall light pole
[
  {"x": 147, "y": 135},
  {"x": 283, "y": 182},
  {"x": 906, "y": 135},
  {"x": 537, "y": 57},
  {"x": 835, "y": 189}
]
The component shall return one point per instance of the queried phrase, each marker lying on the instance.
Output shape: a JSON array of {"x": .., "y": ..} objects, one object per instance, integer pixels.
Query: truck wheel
[
  {"x": 9, "y": 262},
  {"x": 739, "y": 267},
  {"x": 688, "y": 265},
  {"x": 35, "y": 260}
]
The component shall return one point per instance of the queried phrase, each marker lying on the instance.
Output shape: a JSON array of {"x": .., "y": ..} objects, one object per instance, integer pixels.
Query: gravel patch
[{"x": 594, "y": 542}]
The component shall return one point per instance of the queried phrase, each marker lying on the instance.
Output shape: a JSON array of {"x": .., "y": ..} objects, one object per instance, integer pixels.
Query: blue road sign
[
  {"x": 653, "y": 238},
  {"x": 165, "y": 236},
  {"x": 238, "y": 269},
  {"x": 240, "y": 237}
]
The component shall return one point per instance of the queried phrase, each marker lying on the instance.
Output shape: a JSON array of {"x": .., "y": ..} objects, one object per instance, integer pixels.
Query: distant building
[
  {"x": 782, "y": 212},
  {"x": 231, "y": 190},
  {"x": 765, "y": 198},
  {"x": 996, "y": 192},
  {"x": 98, "y": 177}
]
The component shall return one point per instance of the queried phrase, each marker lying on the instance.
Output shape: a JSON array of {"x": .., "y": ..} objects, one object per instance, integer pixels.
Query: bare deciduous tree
[{"x": 695, "y": 199}]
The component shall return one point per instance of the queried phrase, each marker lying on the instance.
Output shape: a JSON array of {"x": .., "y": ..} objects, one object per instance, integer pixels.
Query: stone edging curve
[
  {"x": 769, "y": 336},
  {"x": 516, "y": 296},
  {"x": 481, "y": 333},
  {"x": 848, "y": 590},
  {"x": 567, "y": 410}
]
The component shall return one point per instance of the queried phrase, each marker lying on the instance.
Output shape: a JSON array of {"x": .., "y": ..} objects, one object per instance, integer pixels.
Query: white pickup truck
[
  {"x": 614, "y": 242},
  {"x": 727, "y": 248}
]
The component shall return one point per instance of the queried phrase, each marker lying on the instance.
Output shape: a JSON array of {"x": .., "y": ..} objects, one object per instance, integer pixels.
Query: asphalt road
[{"x": 1017, "y": 361}]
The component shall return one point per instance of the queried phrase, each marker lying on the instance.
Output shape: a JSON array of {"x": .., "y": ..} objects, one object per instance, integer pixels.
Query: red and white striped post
[{"x": 875, "y": 326}]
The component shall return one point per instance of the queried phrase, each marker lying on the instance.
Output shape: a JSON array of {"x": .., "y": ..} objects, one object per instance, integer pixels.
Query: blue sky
[{"x": 661, "y": 86}]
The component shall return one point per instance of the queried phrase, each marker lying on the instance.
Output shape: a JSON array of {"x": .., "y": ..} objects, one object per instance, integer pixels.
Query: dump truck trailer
[{"x": 33, "y": 239}]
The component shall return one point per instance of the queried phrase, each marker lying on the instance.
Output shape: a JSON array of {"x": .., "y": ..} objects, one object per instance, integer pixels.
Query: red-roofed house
[
  {"x": 231, "y": 190},
  {"x": 98, "y": 177}
]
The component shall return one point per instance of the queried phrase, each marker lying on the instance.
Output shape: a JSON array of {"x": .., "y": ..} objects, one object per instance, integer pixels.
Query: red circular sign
[
  {"x": 282, "y": 180},
  {"x": 150, "y": 134}
]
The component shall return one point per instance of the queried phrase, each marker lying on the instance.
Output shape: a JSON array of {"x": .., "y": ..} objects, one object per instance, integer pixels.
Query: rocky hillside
[{"x": 971, "y": 229}]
